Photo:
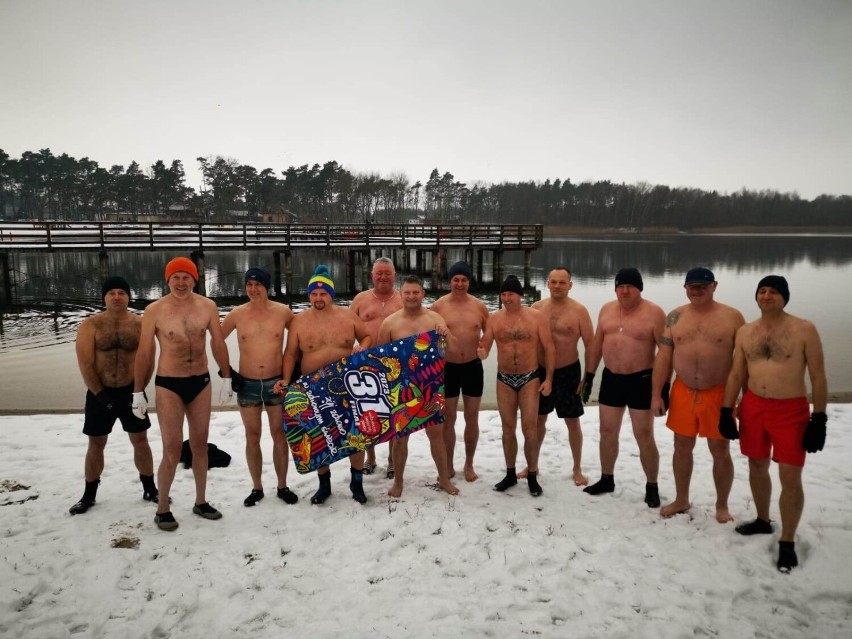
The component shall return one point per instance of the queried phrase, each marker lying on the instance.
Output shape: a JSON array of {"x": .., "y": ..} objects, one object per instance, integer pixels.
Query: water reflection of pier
[{"x": 413, "y": 248}]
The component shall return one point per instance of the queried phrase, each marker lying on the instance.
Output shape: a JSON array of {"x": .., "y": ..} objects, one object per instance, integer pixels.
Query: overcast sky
[{"x": 717, "y": 95}]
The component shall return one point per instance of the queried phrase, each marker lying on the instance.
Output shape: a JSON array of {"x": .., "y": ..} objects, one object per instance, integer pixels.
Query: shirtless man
[
  {"x": 520, "y": 334},
  {"x": 106, "y": 349},
  {"x": 698, "y": 342},
  {"x": 180, "y": 321},
  {"x": 412, "y": 319},
  {"x": 626, "y": 338},
  {"x": 569, "y": 322},
  {"x": 318, "y": 336},
  {"x": 260, "y": 326},
  {"x": 770, "y": 357},
  {"x": 465, "y": 316},
  {"x": 373, "y": 306}
]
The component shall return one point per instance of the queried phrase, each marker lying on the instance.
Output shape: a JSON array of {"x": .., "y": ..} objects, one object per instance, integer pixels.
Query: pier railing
[{"x": 99, "y": 236}]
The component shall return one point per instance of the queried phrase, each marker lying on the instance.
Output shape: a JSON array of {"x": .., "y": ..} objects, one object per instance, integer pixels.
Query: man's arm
[
  {"x": 738, "y": 377},
  {"x": 816, "y": 368},
  {"x": 484, "y": 348},
  {"x": 587, "y": 334},
  {"x": 229, "y": 324},
  {"x": 594, "y": 352},
  {"x": 291, "y": 351},
  {"x": 663, "y": 364},
  {"x": 362, "y": 334},
  {"x": 385, "y": 331},
  {"x": 443, "y": 330},
  {"x": 143, "y": 365},
  {"x": 659, "y": 325},
  {"x": 546, "y": 339},
  {"x": 217, "y": 341},
  {"x": 86, "y": 356},
  {"x": 483, "y": 319}
]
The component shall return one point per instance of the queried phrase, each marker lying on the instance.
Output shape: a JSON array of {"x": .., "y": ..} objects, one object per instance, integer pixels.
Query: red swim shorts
[
  {"x": 775, "y": 425},
  {"x": 695, "y": 412}
]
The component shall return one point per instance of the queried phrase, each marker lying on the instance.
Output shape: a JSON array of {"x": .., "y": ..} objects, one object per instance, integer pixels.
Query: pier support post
[
  {"x": 527, "y": 267},
  {"x": 5, "y": 264},
  {"x": 479, "y": 261},
  {"x": 351, "y": 258},
  {"x": 103, "y": 264},
  {"x": 288, "y": 275},
  {"x": 276, "y": 272},
  {"x": 198, "y": 259},
  {"x": 366, "y": 267},
  {"x": 498, "y": 267}
]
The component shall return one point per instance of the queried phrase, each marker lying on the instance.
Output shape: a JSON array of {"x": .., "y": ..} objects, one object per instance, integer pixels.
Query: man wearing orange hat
[{"x": 180, "y": 321}]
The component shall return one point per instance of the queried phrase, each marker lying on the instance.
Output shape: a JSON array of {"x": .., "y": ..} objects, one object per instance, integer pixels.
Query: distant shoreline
[{"x": 671, "y": 230}]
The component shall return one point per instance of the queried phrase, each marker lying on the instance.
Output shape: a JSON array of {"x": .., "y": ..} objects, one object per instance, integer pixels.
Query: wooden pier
[{"x": 361, "y": 242}]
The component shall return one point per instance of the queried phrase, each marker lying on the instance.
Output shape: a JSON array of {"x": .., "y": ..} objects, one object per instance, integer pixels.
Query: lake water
[{"x": 39, "y": 369}]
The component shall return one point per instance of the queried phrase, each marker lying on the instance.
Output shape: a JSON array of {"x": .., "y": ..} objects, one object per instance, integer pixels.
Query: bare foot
[
  {"x": 452, "y": 473},
  {"x": 449, "y": 487},
  {"x": 674, "y": 508},
  {"x": 580, "y": 479},
  {"x": 523, "y": 473},
  {"x": 723, "y": 516},
  {"x": 396, "y": 489},
  {"x": 469, "y": 474}
]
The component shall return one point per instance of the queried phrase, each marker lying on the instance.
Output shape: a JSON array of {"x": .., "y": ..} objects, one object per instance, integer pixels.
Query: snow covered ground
[{"x": 483, "y": 564}]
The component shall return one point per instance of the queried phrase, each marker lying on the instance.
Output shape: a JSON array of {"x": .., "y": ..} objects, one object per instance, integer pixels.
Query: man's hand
[
  {"x": 106, "y": 401},
  {"x": 727, "y": 425},
  {"x": 280, "y": 387},
  {"x": 587, "y": 386},
  {"x": 226, "y": 393},
  {"x": 814, "y": 438},
  {"x": 139, "y": 405},
  {"x": 237, "y": 380}
]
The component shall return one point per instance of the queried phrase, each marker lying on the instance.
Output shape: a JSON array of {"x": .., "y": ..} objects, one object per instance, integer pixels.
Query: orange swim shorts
[
  {"x": 774, "y": 426},
  {"x": 694, "y": 412}
]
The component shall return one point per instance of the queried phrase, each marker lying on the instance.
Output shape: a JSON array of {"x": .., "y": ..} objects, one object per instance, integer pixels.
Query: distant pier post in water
[
  {"x": 7, "y": 278},
  {"x": 103, "y": 264},
  {"x": 198, "y": 259}
]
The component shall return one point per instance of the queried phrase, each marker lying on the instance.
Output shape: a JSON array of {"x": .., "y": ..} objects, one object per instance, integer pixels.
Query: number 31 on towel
[{"x": 365, "y": 399}]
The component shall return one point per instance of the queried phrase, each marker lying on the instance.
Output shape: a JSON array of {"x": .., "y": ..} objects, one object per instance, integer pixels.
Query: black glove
[
  {"x": 108, "y": 403},
  {"x": 727, "y": 425},
  {"x": 587, "y": 386},
  {"x": 665, "y": 394},
  {"x": 237, "y": 380},
  {"x": 814, "y": 438}
]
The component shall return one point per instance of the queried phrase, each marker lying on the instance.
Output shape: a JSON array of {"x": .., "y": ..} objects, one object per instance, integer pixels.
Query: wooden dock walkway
[
  {"x": 116, "y": 236},
  {"x": 426, "y": 243}
]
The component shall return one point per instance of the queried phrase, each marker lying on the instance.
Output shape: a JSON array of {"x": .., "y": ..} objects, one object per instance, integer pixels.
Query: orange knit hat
[{"x": 181, "y": 264}]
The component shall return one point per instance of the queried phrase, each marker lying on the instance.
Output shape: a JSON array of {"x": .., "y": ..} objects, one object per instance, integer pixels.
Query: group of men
[{"x": 714, "y": 354}]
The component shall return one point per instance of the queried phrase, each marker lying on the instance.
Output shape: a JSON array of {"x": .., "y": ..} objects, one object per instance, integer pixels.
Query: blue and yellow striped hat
[{"x": 321, "y": 280}]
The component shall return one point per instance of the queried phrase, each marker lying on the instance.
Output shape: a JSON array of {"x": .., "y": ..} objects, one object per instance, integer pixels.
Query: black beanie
[
  {"x": 512, "y": 285},
  {"x": 630, "y": 276},
  {"x": 460, "y": 268},
  {"x": 778, "y": 283},
  {"x": 259, "y": 275},
  {"x": 112, "y": 282}
]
